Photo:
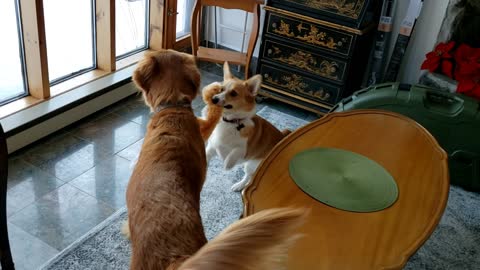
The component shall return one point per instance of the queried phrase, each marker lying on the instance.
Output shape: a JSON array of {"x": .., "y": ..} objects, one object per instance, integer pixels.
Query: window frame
[
  {"x": 170, "y": 40},
  {"x": 31, "y": 27}
]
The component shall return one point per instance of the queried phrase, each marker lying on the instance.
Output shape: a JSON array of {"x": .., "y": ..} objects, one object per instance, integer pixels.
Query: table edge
[{"x": 252, "y": 186}]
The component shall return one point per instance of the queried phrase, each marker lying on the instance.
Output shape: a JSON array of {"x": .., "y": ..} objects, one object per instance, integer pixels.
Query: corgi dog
[
  {"x": 241, "y": 137},
  {"x": 163, "y": 194}
]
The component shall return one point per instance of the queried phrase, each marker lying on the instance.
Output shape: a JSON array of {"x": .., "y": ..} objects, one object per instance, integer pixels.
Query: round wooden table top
[{"x": 337, "y": 239}]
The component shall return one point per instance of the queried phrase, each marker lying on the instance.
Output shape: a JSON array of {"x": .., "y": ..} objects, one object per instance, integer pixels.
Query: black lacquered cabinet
[{"x": 315, "y": 52}]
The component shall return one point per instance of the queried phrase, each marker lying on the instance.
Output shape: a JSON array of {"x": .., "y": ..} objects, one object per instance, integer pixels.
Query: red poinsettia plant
[{"x": 461, "y": 63}]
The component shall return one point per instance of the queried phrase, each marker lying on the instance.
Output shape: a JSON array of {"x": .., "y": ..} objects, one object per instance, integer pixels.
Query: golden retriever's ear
[
  {"x": 195, "y": 78},
  {"x": 254, "y": 84},
  {"x": 143, "y": 74},
  {"x": 191, "y": 72},
  {"x": 227, "y": 74}
]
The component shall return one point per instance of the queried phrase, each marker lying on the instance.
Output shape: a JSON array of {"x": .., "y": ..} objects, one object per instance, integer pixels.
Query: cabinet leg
[{"x": 260, "y": 99}]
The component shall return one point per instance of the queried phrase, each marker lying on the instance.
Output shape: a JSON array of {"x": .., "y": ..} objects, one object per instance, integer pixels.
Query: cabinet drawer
[
  {"x": 300, "y": 85},
  {"x": 351, "y": 12},
  {"x": 318, "y": 65},
  {"x": 321, "y": 37},
  {"x": 295, "y": 101}
]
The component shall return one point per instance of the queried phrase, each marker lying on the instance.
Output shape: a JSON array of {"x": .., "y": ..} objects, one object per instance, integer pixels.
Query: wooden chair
[
  {"x": 5, "y": 253},
  {"x": 219, "y": 55}
]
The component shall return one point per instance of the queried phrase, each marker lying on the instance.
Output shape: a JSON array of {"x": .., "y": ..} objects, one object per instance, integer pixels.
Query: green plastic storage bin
[{"x": 453, "y": 119}]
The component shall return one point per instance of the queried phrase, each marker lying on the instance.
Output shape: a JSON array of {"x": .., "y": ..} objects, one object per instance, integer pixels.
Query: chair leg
[
  {"x": 5, "y": 253},
  {"x": 247, "y": 68},
  {"x": 253, "y": 38},
  {"x": 195, "y": 27},
  {"x": 6, "y": 260}
]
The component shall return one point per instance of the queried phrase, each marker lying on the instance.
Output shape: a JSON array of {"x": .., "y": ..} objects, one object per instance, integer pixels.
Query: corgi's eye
[{"x": 233, "y": 93}]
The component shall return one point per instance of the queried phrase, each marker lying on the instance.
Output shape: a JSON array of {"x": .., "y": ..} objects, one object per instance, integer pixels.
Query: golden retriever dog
[
  {"x": 242, "y": 137},
  {"x": 163, "y": 195},
  {"x": 211, "y": 113}
]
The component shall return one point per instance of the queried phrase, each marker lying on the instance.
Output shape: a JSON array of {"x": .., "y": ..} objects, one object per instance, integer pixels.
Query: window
[
  {"x": 49, "y": 47},
  {"x": 130, "y": 26},
  {"x": 184, "y": 9},
  {"x": 70, "y": 37},
  {"x": 12, "y": 80}
]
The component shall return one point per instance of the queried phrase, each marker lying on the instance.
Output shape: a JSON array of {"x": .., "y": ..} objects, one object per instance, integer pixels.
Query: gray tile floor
[{"x": 64, "y": 185}]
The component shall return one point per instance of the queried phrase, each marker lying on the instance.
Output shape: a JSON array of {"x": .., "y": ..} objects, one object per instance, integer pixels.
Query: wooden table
[{"x": 337, "y": 239}]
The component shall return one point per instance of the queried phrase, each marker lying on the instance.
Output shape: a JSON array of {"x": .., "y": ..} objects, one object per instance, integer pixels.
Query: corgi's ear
[
  {"x": 227, "y": 74},
  {"x": 254, "y": 84},
  {"x": 143, "y": 74}
]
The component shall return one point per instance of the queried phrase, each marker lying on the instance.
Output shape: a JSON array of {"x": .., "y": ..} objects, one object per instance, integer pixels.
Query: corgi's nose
[{"x": 215, "y": 100}]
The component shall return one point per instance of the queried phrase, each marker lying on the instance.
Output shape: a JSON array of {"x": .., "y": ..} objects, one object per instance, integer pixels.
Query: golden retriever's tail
[
  {"x": 260, "y": 241},
  {"x": 213, "y": 113}
]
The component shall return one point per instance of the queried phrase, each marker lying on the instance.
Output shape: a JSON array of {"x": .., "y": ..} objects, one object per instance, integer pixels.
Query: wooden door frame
[
  {"x": 170, "y": 22},
  {"x": 170, "y": 40}
]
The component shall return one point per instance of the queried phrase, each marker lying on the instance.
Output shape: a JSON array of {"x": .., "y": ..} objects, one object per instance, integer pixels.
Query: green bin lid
[{"x": 343, "y": 179}]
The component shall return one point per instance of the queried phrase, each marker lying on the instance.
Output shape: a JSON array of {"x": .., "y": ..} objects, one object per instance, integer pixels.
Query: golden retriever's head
[
  {"x": 167, "y": 77},
  {"x": 237, "y": 96}
]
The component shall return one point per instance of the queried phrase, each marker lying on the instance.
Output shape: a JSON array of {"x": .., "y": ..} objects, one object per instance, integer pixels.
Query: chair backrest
[{"x": 252, "y": 6}]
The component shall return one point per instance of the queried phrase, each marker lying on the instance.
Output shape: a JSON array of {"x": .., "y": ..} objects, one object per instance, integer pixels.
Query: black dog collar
[
  {"x": 237, "y": 122},
  {"x": 161, "y": 107}
]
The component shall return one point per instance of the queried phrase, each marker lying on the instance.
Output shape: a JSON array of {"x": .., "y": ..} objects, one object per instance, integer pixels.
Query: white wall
[
  {"x": 423, "y": 39},
  {"x": 424, "y": 36},
  {"x": 233, "y": 19}
]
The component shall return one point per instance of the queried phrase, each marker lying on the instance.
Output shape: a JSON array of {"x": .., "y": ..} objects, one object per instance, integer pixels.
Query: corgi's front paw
[
  {"x": 238, "y": 187},
  {"x": 233, "y": 158},
  {"x": 228, "y": 164}
]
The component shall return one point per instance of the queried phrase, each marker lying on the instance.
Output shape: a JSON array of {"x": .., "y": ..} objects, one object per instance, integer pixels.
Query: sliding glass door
[
  {"x": 184, "y": 9},
  {"x": 178, "y": 14}
]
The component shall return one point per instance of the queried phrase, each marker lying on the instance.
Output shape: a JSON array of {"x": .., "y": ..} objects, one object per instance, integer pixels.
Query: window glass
[
  {"x": 11, "y": 65},
  {"x": 130, "y": 24},
  {"x": 70, "y": 37},
  {"x": 184, "y": 9}
]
